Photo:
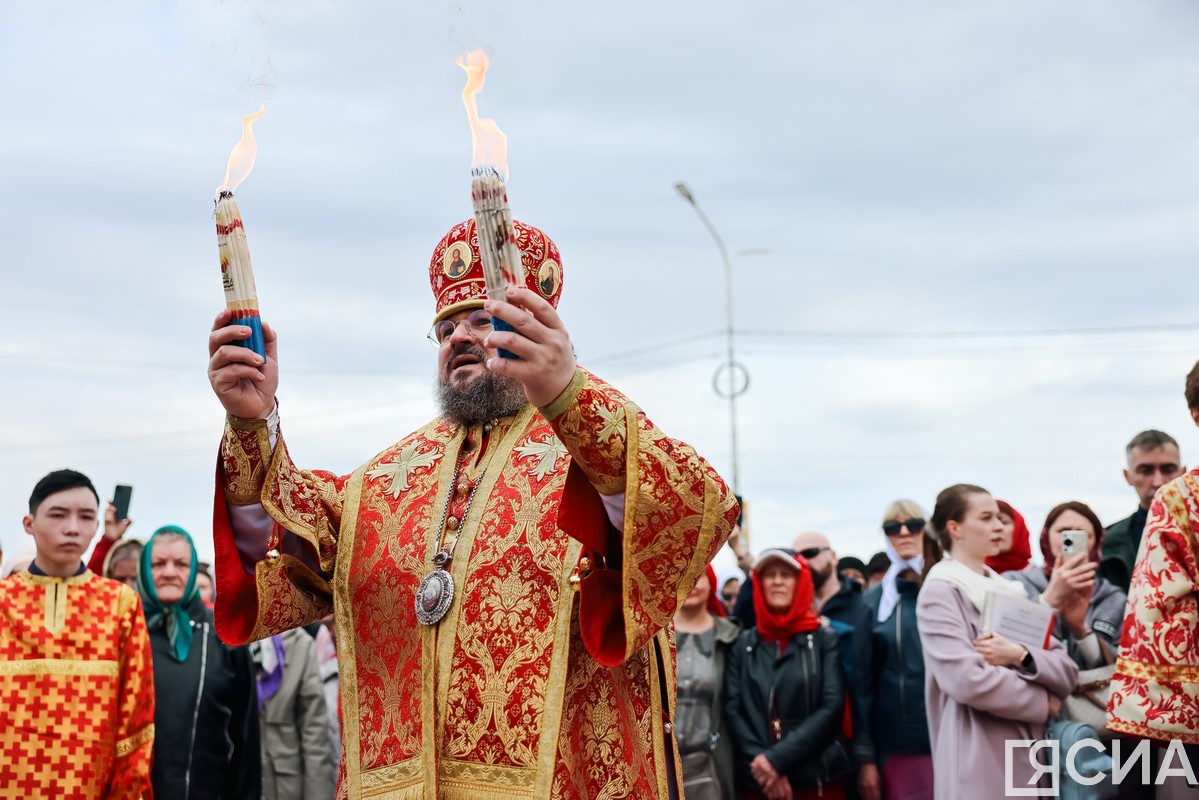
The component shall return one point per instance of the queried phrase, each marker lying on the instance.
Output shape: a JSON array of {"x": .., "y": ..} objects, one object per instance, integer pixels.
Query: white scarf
[
  {"x": 975, "y": 585},
  {"x": 890, "y": 598}
]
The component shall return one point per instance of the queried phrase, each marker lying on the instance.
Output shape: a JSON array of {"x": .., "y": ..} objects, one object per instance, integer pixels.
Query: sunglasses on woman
[{"x": 892, "y": 527}]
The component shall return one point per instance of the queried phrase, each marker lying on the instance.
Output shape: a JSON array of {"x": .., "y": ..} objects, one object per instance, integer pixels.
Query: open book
[{"x": 1017, "y": 619}]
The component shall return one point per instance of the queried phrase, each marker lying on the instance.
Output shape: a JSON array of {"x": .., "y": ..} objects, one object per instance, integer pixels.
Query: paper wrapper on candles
[
  {"x": 237, "y": 274},
  {"x": 498, "y": 252}
]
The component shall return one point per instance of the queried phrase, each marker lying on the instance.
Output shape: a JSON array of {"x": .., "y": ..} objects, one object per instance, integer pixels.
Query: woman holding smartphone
[
  {"x": 982, "y": 690},
  {"x": 1090, "y": 609}
]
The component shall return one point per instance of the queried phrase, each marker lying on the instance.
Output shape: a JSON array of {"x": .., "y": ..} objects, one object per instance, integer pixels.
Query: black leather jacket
[{"x": 805, "y": 688}]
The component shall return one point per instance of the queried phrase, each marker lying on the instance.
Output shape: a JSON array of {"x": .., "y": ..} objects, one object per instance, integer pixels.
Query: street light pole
[{"x": 730, "y": 365}]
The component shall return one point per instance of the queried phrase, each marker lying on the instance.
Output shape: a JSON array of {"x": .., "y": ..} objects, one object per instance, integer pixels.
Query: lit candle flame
[
  {"x": 241, "y": 159},
  {"x": 488, "y": 144}
]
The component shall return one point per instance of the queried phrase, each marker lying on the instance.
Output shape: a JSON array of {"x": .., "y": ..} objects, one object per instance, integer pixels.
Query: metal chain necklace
[{"x": 436, "y": 591}]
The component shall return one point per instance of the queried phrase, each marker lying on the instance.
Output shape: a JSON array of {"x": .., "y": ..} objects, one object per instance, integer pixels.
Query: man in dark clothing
[
  {"x": 1153, "y": 461},
  {"x": 853, "y": 567},
  {"x": 876, "y": 568}
]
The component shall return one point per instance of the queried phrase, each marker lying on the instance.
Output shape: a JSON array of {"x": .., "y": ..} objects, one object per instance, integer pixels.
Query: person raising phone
[{"x": 1090, "y": 609}]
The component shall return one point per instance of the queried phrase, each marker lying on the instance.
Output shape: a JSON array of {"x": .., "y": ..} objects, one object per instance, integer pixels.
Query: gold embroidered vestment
[{"x": 526, "y": 689}]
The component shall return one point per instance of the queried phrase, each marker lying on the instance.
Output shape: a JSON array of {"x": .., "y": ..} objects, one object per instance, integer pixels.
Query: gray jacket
[
  {"x": 727, "y": 631},
  {"x": 1105, "y": 613},
  {"x": 297, "y": 756}
]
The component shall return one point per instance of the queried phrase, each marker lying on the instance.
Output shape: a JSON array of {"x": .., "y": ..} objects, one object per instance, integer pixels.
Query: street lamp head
[{"x": 684, "y": 192}]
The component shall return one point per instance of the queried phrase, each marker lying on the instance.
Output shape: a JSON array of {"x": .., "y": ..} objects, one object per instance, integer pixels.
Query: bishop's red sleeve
[
  {"x": 135, "y": 704},
  {"x": 677, "y": 515},
  {"x": 290, "y": 587}
]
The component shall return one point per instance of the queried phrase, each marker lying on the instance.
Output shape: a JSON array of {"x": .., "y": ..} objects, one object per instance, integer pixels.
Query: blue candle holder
[{"x": 498, "y": 324}]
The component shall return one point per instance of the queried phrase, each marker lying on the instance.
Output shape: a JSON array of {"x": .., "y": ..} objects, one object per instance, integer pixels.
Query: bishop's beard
[{"x": 484, "y": 397}]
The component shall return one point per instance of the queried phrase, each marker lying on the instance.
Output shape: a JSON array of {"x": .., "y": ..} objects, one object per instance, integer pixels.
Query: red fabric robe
[
  {"x": 1155, "y": 689},
  {"x": 527, "y": 688},
  {"x": 76, "y": 689}
]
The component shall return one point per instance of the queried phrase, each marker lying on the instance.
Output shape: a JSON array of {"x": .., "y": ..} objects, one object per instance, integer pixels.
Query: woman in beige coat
[{"x": 981, "y": 690}]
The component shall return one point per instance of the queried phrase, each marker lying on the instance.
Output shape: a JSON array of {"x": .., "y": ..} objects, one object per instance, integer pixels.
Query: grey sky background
[{"x": 920, "y": 167}]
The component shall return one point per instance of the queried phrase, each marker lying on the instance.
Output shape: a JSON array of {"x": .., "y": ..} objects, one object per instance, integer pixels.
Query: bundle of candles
[
  {"x": 237, "y": 273},
  {"x": 500, "y": 256}
]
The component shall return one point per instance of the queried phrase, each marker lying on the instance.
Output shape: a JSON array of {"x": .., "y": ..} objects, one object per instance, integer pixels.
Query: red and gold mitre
[{"x": 456, "y": 271}]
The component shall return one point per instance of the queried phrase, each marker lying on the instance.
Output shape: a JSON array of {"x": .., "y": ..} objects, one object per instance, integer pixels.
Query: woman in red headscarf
[
  {"x": 1090, "y": 609},
  {"x": 703, "y": 635},
  {"x": 785, "y": 691},
  {"x": 1015, "y": 551}
]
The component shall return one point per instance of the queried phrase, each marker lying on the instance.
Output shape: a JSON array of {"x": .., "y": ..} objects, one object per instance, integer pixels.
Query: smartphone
[
  {"x": 120, "y": 498},
  {"x": 1074, "y": 542}
]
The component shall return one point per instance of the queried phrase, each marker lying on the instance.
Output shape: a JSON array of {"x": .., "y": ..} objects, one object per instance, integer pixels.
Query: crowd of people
[
  {"x": 517, "y": 600},
  {"x": 811, "y": 676}
]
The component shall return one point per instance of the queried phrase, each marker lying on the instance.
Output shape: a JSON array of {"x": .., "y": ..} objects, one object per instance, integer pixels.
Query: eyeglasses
[
  {"x": 892, "y": 527},
  {"x": 478, "y": 324},
  {"x": 811, "y": 552}
]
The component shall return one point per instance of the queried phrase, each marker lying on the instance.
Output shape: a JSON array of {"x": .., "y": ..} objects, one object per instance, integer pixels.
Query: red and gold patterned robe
[
  {"x": 527, "y": 688},
  {"x": 1155, "y": 689},
  {"x": 76, "y": 689}
]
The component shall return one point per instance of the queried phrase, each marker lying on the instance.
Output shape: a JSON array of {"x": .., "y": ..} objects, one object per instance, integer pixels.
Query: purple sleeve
[{"x": 251, "y": 526}]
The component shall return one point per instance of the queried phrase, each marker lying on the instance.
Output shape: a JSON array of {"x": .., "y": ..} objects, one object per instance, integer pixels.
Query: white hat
[{"x": 777, "y": 554}]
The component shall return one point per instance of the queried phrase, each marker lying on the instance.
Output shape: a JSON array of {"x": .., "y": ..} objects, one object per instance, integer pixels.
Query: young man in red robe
[
  {"x": 503, "y": 579},
  {"x": 76, "y": 677}
]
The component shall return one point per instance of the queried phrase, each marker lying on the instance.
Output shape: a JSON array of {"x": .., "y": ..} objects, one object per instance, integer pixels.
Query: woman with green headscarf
[{"x": 204, "y": 691}]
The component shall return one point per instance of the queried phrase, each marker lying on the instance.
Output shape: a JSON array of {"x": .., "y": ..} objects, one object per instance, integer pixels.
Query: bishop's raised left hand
[{"x": 547, "y": 360}]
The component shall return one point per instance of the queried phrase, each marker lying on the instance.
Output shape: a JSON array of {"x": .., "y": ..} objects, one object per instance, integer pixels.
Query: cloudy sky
[{"x": 980, "y": 221}]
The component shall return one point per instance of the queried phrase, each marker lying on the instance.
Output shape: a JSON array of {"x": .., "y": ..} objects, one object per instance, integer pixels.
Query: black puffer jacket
[{"x": 805, "y": 687}]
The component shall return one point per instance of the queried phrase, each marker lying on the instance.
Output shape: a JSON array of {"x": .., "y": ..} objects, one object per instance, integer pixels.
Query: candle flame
[
  {"x": 241, "y": 159},
  {"x": 488, "y": 144}
]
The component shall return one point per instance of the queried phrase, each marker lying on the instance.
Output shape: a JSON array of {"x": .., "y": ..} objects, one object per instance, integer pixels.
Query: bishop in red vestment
[{"x": 503, "y": 579}]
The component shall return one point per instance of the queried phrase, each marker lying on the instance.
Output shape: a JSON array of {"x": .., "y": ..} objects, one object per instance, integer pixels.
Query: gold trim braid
[
  {"x": 243, "y": 472},
  {"x": 1161, "y": 673},
  {"x": 393, "y": 777},
  {"x": 57, "y": 666},
  {"x": 567, "y": 397},
  {"x": 347, "y": 658},
  {"x": 128, "y": 745}
]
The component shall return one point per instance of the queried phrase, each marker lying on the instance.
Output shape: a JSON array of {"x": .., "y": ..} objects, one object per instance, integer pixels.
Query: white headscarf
[
  {"x": 890, "y": 598},
  {"x": 17, "y": 562},
  {"x": 976, "y": 585}
]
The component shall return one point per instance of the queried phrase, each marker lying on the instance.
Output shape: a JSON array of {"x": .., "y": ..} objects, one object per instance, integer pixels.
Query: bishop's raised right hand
[{"x": 242, "y": 382}]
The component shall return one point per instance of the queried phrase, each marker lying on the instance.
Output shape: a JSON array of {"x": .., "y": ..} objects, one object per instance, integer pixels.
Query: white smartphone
[{"x": 1074, "y": 542}]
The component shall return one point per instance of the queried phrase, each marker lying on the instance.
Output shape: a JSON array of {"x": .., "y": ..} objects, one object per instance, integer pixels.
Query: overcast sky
[{"x": 1017, "y": 180}]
